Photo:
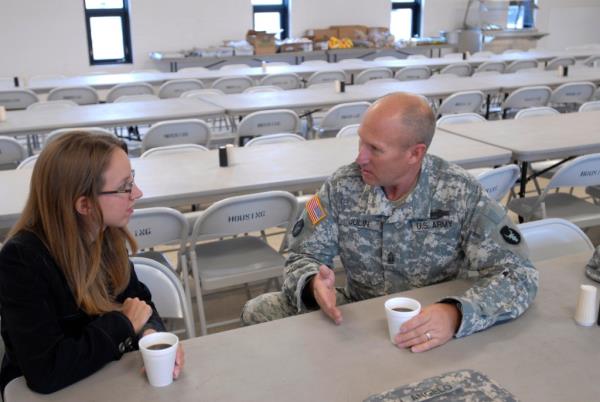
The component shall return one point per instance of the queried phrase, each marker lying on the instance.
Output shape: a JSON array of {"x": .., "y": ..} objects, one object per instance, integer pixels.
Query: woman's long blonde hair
[{"x": 94, "y": 259}]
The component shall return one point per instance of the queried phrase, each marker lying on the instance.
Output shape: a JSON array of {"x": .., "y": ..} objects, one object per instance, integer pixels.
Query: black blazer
[{"x": 48, "y": 338}]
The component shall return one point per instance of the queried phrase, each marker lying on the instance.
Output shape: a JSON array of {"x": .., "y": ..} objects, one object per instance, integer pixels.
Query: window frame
[
  {"x": 282, "y": 9},
  {"x": 415, "y": 6},
  {"x": 125, "y": 29}
]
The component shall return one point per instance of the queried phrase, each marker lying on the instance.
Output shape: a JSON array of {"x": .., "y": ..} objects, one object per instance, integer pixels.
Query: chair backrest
[
  {"x": 173, "y": 150},
  {"x": 129, "y": 89},
  {"x": 52, "y": 105},
  {"x": 284, "y": 81},
  {"x": 320, "y": 77},
  {"x": 573, "y": 92},
  {"x": 413, "y": 73},
  {"x": 416, "y": 57},
  {"x": 521, "y": 65},
  {"x": 245, "y": 214},
  {"x": 560, "y": 61},
  {"x": 462, "y": 102},
  {"x": 233, "y": 66},
  {"x": 351, "y": 60},
  {"x": 373, "y": 74},
  {"x": 462, "y": 69},
  {"x": 184, "y": 131},
  {"x": 554, "y": 237},
  {"x": 484, "y": 53},
  {"x": 528, "y": 97},
  {"x": 82, "y": 95},
  {"x": 269, "y": 122},
  {"x": 202, "y": 93},
  {"x": 535, "y": 112},
  {"x": 7, "y": 83},
  {"x": 592, "y": 61},
  {"x": 351, "y": 130},
  {"x": 453, "y": 55},
  {"x": 193, "y": 70},
  {"x": 54, "y": 134},
  {"x": 491, "y": 66},
  {"x": 167, "y": 293},
  {"x": 11, "y": 152},
  {"x": 590, "y": 106},
  {"x": 174, "y": 88},
  {"x": 459, "y": 118},
  {"x": 342, "y": 115},
  {"x": 315, "y": 62},
  {"x": 579, "y": 172},
  {"x": 136, "y": 98},
  {"x": 28, "y": 163},
  {"x": 17, "y": 99},
  {"x": 385, "y": 58},
  {"x": 159, "y": 225},
  {"x": 262, "y": 88},
  {"x": 498, "y": 182},
  {"x": 275, "y": 139},
  {"x": 233, "y": 84}
]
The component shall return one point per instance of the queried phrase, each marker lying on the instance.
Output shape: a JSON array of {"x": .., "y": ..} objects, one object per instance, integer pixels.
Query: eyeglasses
[{"x": 126, "y": 188}]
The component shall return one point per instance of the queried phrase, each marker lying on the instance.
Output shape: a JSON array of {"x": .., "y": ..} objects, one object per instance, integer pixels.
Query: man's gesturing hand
[{"x": 323, "y": 289}]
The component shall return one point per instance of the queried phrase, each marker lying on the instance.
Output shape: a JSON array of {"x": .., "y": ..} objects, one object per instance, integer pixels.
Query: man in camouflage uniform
[{"x": 400, "y": 219}]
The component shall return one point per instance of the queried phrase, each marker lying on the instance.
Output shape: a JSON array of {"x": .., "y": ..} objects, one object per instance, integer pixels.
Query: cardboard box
[
  {"x": 296, "y": 47},
  {"x": 351, "y": 31},
  {"x": 319, "y": 35},
  {"x": 264, "y": 43}
]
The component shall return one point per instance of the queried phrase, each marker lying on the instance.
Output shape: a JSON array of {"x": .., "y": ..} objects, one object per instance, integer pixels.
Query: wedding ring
[{"x": 428, "y": 336}]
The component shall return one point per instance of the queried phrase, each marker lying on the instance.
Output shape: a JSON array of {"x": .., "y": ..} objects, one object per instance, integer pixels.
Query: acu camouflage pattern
[
  {"x": 446, "y": 228},
  {"x": 456, "y": 386},
  {"x": 592, "y": 269}
]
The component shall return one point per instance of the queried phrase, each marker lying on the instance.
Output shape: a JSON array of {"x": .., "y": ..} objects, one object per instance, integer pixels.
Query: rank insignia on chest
[{"x": 314, "y": 209}]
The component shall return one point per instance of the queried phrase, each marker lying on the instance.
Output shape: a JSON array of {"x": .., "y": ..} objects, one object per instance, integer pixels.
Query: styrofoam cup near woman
[{"x": 158, "y": 352}]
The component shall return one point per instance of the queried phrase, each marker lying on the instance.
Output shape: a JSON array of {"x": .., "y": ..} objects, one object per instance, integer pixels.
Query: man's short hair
[{"x": 419, "y": 119}]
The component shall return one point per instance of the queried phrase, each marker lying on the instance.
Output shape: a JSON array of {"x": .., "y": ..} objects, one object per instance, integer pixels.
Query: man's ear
[
  {"x": 82, "y": 205},
  {"x": 417, "y": 152}
]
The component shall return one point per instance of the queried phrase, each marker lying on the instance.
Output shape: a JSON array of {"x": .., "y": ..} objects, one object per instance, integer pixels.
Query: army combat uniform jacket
[{"x": 446, "y": 228}]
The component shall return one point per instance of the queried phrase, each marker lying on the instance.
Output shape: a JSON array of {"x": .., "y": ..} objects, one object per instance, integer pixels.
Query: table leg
[{"x": 523, "y": 185}]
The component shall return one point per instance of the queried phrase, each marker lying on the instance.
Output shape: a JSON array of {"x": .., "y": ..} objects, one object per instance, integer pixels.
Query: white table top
[
  {"x": 538, "y": 138},
  {"x": 510, "y": 82},
  {"x": 20, "y": 122},
  {"x": 197, "y": 177},
  {"x": 541, "y": 356}
]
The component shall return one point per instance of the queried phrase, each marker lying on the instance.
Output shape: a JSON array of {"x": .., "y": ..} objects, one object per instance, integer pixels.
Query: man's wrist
[{"x": 308, "y": 296}]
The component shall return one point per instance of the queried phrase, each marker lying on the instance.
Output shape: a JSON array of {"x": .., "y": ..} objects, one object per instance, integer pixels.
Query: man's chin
[{"x": 368, "y": 178}]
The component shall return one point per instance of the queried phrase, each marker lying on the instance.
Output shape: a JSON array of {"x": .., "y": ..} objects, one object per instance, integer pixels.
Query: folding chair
[
  {"x": 553, "y": 237},
  {"x": 17, "y": 99},
  {"x": 174, "y": 88},
  {"x": 172, "y": 150},
  {"x": 459, "y": 118},
  {"x": 54, "y": 134},
  {"x": 321, "y": 77},
  {"x": 268, "y": 122},
  {"x": 82, "y": 95},
  {"x": 275, "y": 139},
  {"x": 413, "y": 73},
  {"x": 184, "y": 131},
  {"x": 461, "y": 69},
  {"x": 568, "y": 97},
  {"x": 498, "y": 182},
  {"x": 491, "y": 66},
  {"x": 169, "y": 298},
  {"x": 579, "y": 172},
  {"x": 262, "y": 88},
  {"x": 340, "y": 116},
  {"x": 28, "y": 163},
  {"x": 462, "y": 102},
  {"x": 284, "y": 81},
  {"x": 351, "y": 130},
  {"x": 524, "y": 98},
  {"x": 536, "y": 112},
  {"x": 50, "y": 106},
  {"x": 12, "y": 153},
  {"x": 157, "y": 226},
  {"x": 129, "y": 89},
  {"x": 233, "y": 84},
  {"x": 590, "y": 106},
  {"x": 373, "y": 74},
  {"x": 560, "y": 61},
  {"x": 521, "y": 65},
  {"x": 235, "y": 261},
  {"x": 592, "y": 61}
]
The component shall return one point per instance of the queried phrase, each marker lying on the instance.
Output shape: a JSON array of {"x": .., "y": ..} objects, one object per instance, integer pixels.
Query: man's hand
[
  {"x": 322, "y": 286},
  {"x": 433, "y": 326}
]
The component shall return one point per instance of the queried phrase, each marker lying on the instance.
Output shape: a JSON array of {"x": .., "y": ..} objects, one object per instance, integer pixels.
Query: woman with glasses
[{"x": 70, "y": 300}]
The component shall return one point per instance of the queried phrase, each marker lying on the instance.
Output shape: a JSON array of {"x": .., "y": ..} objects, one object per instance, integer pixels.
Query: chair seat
[
  {"x": 237, "y": 261},
  {"x": 558, "y": 205},
  {"x": 156, "y": 256}
]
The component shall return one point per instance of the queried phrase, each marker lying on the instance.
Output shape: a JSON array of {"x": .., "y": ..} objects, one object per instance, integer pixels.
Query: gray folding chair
[
  {"x": 560, "y": 61},
  {"x": 340, "y": 116},
  {"x": 54, "y": 134},
  {"x": 462, "y": 102},
  {"x": 176, "y": 149},
  {"x": 498, "y": 182},
  {"x": 351, "y": 130},
  {"x": 377, "y": 73},
  {"x": 262, "y": 88},
  {"x": 590, "y": 106},
  {"x": 17, "y": 99},
  {"x": 268, "y": 122},
  {"x": 525, "y": 98},
  {"x": 461, "y": 69},
  {"x": 568, "y": 97},
  {"x": 233, "y": 84},
  {"x": 82, "y": 95},
  {"x": 12, "y": 153},
  {"x": 284, "y": 81},
  {"x": 174, "y": 88},
  {"x": 321, "y": 77},
  {"x": 139, "y": 88},
  {"x": 459, "y": 118},
  {"x": 219, "y": 260},
  {"x": 413, "y": 73},
  {"x": 498, "y": 66},
  {"x": 275, "y": 139},
  {"x": 28, "y": 163},
  {"x": 51, "y": 106},
  {"x": 518, "y": 65},
  {"x": 184, "y": 131}
]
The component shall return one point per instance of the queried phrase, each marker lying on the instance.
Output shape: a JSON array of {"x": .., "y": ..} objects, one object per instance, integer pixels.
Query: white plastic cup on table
[
  {"x": 158, "y": 352},
  {"x": 2, "y": 113},
  {"x": 585, "y": 313},
  {"x": 230, "y": 153},
  {"x": 399, "y": 310}
]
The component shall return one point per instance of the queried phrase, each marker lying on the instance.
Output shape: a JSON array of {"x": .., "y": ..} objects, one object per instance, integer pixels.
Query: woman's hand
[{"x": 137, "y": 311}]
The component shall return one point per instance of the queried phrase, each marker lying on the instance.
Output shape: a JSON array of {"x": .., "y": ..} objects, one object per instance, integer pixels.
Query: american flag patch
[{"x": 315, "y": 210}]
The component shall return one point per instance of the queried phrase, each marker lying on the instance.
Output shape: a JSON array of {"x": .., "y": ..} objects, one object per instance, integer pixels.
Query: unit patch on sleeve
[
  {"x": 510, "y": 235},
  {"x": 314, "y": 209},
  {"x": 298, "y": 227}
]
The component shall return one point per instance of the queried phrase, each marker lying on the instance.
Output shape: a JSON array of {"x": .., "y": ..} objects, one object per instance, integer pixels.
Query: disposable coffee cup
[
  {"x": 585, "y": 313},
  {"x": 223, "y": 160},
  {"x": 2, "y": 113},
  {"x": 230, "y": 153},
  {"x": 158, "y": 352},
  {"x": 399, "y": 310},
  {"x": 263, "y": 65},
  {"x": 340, "y": 86}
]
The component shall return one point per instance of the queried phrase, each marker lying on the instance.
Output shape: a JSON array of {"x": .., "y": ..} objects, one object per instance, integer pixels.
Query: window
[
  {"x": 521, "y": 14},
  {"x": 107, "y": 23},
  {"x": 405, "y": 20},
  {"x": 271, "y": 16}
]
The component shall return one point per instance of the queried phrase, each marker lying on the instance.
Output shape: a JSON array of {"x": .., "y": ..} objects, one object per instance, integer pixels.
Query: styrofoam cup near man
[
  {"x": 399, "y": 310},
  {"x": 159, "y": 350},
  {"x": 2, "y": 113},
  {"x": 585, "y": 313}
]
